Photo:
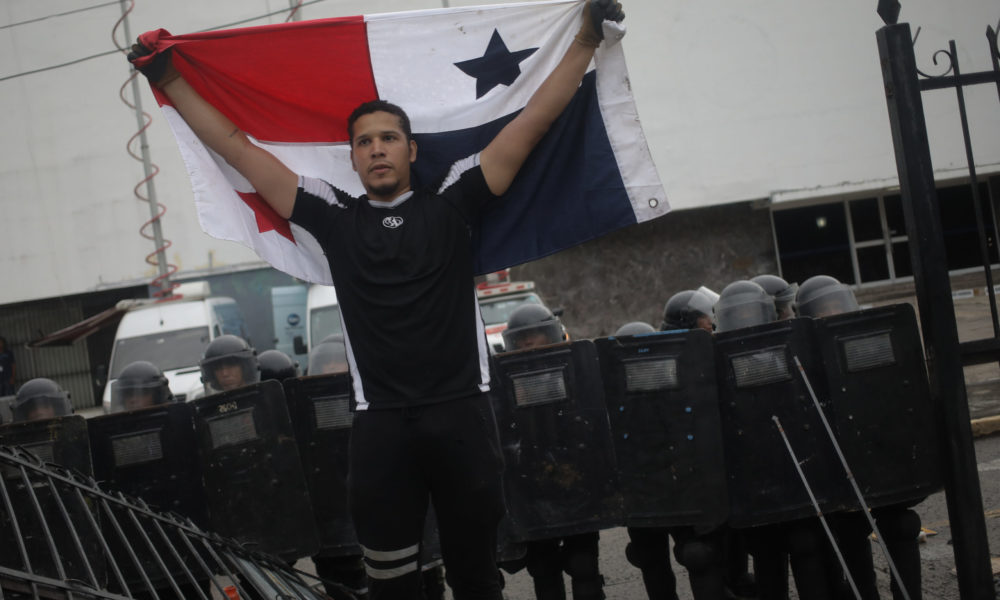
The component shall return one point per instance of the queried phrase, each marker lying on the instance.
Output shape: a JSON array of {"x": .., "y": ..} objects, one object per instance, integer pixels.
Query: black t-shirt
[{"x": 404, "y": 279}]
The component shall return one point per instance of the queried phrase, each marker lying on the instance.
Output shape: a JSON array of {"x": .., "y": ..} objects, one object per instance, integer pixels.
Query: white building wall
[{"x": 739, "y": 100}]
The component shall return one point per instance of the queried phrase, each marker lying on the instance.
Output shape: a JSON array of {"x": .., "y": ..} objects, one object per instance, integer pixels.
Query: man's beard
[{"x": 384, "y": 189}]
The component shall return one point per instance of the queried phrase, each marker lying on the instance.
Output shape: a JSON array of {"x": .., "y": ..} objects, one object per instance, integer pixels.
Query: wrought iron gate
[
  {"x": 945, "y": 355},
  {"x": 64, "y": 537}
]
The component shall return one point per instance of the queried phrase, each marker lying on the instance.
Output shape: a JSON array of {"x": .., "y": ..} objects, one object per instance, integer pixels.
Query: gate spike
[{"x": 889, "y": 11}]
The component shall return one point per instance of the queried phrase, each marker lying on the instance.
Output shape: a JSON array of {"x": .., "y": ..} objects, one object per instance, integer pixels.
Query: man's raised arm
[
  {"x": 275, "y": 182},
  {"x": 503, "y": 157}
]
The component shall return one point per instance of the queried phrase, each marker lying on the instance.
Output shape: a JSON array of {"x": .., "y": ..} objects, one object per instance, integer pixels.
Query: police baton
[
  {"x": 854, "y": 483},
  {"x": 819, "y": 511}
]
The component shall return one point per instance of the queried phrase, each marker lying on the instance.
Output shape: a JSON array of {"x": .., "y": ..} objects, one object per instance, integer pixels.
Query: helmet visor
[
  {"x": 132, "y": 395},
  {"x": 42, "y": 406},
  {"x": 532, "y": 336},
  {"x": 230, "y": 371}
]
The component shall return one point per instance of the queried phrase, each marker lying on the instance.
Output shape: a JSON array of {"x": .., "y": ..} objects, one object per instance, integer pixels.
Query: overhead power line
[
  {"x": 62, "y": 14},
  {"x": 106, "y": 53},
  {"x": 59, "y": 66}
]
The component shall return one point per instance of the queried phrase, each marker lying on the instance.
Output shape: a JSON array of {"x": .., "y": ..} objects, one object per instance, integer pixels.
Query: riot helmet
[
  {"x": 744, "y": 304},
  {"x": 275, "y": 364},
  {"x": 41, "y": 398},
  {"x": 329, "y": 356},
  {"x": 689, "y": 309},
  {"x": 531, "y": 326},
  {"x": 229, "y": 363},
  {"x": 635, "y": 328},
  {"x": 822, "y": 295},
  {"x": 140, "y": 385},
  {"x": 782, "y": 292}
]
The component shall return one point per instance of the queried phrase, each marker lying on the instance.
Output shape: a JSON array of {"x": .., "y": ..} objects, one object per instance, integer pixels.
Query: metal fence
[
  {"x": 62, "y": 536},
  {"x": 904, "y": 84}
]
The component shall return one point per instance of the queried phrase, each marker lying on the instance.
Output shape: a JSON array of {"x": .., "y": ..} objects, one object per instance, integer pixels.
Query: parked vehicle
[
  {"x": 172, "y": 334},
  {"x": 322, "y": 317},
  {"x": 498, "y": 297}
]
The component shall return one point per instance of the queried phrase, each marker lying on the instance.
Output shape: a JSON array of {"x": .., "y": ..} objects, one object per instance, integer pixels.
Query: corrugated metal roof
[{"x": 69, "y": 365}]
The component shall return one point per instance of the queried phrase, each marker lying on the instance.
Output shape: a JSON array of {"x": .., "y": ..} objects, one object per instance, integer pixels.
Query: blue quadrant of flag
[{"x": 569, "y": 190}]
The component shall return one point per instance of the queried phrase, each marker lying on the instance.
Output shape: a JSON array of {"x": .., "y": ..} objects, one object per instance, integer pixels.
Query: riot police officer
[
  {"x": 743, "y": 304},
  {"x": 783, "y": 295},
  {"x": 141, "y": 384},
  {"x": 701, "y": 553},
  {"x": 41, "y": 398},
  {"x": 328, "y": 356},
  {"x": 782, "y": 292},
  {"x": 688, "y": 309},
  {"x": 635, "y": 328},
  {"x": 533, "y": 326},
  {"x": 229, "y": 363},
  {"x": 648, "y": 548},
  {"x": 824, "y": 296},
  {"x": 275, "y": 364}
]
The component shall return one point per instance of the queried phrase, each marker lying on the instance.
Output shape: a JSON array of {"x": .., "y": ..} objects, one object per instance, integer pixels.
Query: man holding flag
[{"x": 402, "y": 260}]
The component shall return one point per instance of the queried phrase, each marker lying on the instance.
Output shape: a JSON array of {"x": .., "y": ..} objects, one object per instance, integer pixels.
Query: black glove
[
  {"x": 594, "y": 14},
  {"x": 157, "y": 68}
]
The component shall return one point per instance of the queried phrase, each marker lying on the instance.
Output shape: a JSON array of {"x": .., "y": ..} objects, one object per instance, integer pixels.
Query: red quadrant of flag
[
  {"x": 268, "y": 100},
  {"x": 273, "y": 103}
]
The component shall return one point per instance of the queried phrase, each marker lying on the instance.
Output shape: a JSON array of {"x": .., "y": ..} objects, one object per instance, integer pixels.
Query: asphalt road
[{"x": 623, "y": 581}]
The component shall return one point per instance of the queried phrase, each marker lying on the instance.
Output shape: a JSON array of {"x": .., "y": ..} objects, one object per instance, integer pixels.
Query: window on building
[
  {"x": 812, "y": 236},
  {"x": 863, "y": 240}
]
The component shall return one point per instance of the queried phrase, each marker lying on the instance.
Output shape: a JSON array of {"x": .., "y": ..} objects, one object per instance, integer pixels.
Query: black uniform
[{"x": 417, "y": 352}]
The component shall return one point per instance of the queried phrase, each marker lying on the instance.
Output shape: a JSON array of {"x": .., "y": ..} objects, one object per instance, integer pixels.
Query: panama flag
[{"x": 461, "y": 74}]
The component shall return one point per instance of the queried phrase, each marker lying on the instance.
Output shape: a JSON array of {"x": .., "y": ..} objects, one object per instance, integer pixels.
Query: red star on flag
[{"x": 267, "y": 219}]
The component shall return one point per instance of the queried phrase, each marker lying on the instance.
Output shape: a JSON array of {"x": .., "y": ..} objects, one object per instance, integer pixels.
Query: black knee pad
[
  {"x": 898, "y": 524},
  {"x": 696, "y": 555}
]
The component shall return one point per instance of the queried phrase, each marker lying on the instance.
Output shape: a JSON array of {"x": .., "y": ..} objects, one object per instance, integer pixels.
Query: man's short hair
[{"x": 367, "y": 108}]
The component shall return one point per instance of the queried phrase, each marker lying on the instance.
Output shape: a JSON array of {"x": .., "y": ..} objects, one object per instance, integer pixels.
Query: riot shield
[
  {"x": 321, "y": 410},
  {"x": 151, "y": 454},
  {"x": 560, "y": 466},
  {"x": 46, "y": 522},
  {"x": 255, "y": 490},
  {"x": 663, "y": 405},
  {"x": 758, "y": 380},
  {"x": 881, "y": 402}
]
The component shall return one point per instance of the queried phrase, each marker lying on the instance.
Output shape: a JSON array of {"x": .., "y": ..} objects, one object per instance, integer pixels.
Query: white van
[
  {"x": 322, "y": 317},
  {"x": 173, "y": 335}
]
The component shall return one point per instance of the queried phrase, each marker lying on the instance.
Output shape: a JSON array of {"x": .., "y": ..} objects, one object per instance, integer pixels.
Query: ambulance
[{"x": 498, "y": 297}]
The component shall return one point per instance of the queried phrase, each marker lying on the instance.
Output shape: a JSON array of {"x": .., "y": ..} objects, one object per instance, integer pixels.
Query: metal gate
[
  {"x": 143, "y": 553},
  {"x": 946, "y": 357}
]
